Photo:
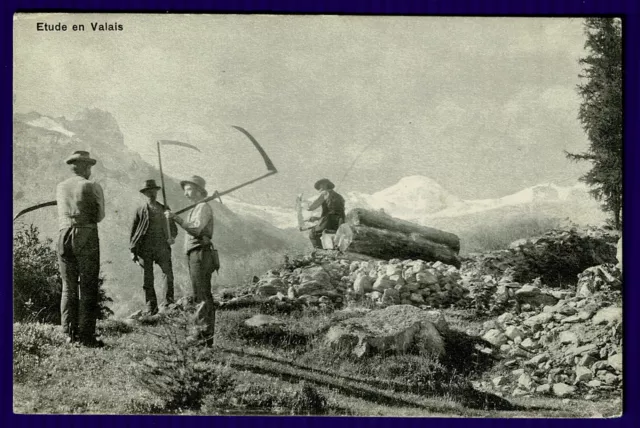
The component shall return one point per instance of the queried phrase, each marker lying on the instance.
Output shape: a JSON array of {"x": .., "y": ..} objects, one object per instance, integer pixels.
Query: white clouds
[{"x": 318, "y": 89}]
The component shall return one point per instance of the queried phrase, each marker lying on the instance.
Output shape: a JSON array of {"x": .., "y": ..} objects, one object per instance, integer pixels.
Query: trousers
[
  {"x": 200, "y": 270},
  {"x": 162, "y": 257},
  {"x": 79, "y": 263}
]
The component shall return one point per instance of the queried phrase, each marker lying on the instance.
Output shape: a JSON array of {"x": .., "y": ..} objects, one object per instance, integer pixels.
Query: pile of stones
[{"x": 569, "y": 348}]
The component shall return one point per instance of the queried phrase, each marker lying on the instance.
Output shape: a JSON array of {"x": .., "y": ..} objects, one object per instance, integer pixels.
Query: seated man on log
[{"x": 333, "y": 214}]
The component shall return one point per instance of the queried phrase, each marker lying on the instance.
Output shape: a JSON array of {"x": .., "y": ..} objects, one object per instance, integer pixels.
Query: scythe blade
[{"x": 35, "y": 207}]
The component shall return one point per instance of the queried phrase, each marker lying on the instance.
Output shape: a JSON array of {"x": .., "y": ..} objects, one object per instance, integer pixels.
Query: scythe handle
[
  {"x": 218, "y": 194},
  {"x": 164, "y": 192}
]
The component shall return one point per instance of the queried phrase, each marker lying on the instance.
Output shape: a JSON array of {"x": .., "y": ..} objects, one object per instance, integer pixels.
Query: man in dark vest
[
  {"x": 200, "y": 256},
  {"x": 80, "y": 204},
  {"x": 332, "y": 215},
  {"x": 150, "y": 242}
]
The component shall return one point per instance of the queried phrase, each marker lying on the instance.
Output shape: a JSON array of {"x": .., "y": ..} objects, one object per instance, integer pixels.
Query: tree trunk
[
  {"x": 379, "y": 220},
  {"x": 390, "y": 244}
]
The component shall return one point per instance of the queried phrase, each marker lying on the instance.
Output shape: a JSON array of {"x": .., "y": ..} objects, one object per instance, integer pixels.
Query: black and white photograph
[{"x": 326, "y": 215}]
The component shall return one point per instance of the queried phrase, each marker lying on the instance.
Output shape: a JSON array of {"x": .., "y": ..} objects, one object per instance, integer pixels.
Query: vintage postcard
[{"x": 317, "y": 215}]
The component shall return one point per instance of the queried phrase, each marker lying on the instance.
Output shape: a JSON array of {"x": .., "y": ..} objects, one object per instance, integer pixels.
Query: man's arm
[
  {"x": 314, "y": 206},
  {"x": 200, "y": 217},
  {"x": 99, "y": 195}
]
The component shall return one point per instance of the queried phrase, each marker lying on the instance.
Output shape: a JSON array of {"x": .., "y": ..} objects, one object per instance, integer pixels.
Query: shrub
[
  {"x": 179, "y": 373},
  {"x": 37, "y": 285}
]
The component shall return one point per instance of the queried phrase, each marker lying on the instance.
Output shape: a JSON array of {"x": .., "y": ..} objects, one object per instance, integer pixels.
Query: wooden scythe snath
[{"x": 267, "y": 161}]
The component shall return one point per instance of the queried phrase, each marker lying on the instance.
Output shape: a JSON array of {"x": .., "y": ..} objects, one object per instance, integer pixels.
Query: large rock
[
  {"x": 495, "y": 337},
  {"x": 382, "y": 283},
  {"x": 615, "y": 361},
  {"x": 317, "y": 274},
  {"x": 363, "y": 284},
  {"x": 393, "y": 329},
  {"x": 609, "y": 315},
  {"x": 532, "y": 295},
  {"x": 562, "y": 389},
  {"x": 541, "y": 318},
  {"x": 312, "y": 288}
]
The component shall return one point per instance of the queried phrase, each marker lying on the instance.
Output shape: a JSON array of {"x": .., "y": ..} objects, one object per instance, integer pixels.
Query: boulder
[
  {"x": 512, "y": 332},
  {"x": 505, "y": 318},
  {"x": 562, "y": 389},
  {"x": 317, "y": 274},
  {"x": 568, "y": 337},
  {"x": 615, "y": 361},
  {"x": 526, "y": 382},
  {"x": 608, "y": 315},
  {"x": 495, "y": 337},
  {"x": 382, "y": 283},
  {"x": 583, "y": 374},
  {"x": 363, "y": 284},
  {"x": 395, "y": 329},
  {"x": 426, "y": 277},
  {"x": 311, "y": 288},
  {"x": 543, "y": 389},
  {"x": 541, "y": 318}
]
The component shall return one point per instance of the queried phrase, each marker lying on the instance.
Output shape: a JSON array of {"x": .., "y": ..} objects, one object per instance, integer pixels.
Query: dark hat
[
  {"x": 149, "y": 185},
  {"x": 324, "y": 182},
  {"x": 80, "y": 156},
  {"x": 196, "y": 181}
]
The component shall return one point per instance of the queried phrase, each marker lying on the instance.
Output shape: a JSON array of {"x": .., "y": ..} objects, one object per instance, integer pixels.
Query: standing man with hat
[
  {"x": 332, "y": 215},
  {"x": 200, "y": 257},
  {"x": 150, "y": 243},
  {"x": 80, "y": 204}
]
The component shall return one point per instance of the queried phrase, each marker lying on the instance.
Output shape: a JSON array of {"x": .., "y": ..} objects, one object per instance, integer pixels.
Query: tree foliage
[
  {"x": 601, "y": 113},
  {"x": 37, "y": 285}
]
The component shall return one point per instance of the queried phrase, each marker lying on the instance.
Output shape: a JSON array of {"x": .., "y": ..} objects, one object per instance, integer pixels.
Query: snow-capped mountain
[{"x": 422, "y": 200}]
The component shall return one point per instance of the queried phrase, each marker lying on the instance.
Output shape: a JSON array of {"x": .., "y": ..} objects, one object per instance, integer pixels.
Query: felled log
[
  {"x": 379, "y": 220},
  {"x": 388, "y": 244}
]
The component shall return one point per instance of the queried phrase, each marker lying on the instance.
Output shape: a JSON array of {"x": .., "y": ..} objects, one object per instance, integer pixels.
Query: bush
[
  {"x": 37, "y": 285},
  {"x": 179, "y": 373}
]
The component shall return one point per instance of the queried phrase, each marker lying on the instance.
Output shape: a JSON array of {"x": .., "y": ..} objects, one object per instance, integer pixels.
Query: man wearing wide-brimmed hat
[
  {"x": 332, "y": 215},
  {"x": 200, "y": 257},
  {"x": 150, "y": 242},
  {"x": 80, "y": 208}
]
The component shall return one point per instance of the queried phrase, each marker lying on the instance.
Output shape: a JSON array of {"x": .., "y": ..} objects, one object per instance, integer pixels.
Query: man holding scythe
[
  {"x": 150, "y": 243},
  {"x": 200, "y": 255}
]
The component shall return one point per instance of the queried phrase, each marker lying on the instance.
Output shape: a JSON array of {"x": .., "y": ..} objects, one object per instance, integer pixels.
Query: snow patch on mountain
[
  {"x": 50, "y": 124},
  {"x": 422, "y": 200}
]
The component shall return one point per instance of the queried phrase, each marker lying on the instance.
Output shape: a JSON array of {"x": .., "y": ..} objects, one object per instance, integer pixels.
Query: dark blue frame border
[{"x": 627, "y": 9}]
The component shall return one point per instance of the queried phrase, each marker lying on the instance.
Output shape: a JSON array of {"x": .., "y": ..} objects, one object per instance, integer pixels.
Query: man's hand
[
  {"x": 135, "y": 259},
  {"x": 313, "y": 218},
  {"x": 170, "y": 215},
  {"x": 171, "y": 241}
]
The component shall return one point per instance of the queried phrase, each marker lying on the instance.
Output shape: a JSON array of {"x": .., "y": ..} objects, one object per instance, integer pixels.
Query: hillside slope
[{"x": 42, "y": 143}]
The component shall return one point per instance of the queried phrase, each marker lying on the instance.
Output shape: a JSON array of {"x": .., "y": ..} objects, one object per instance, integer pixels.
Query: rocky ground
[{"x": 552, "y": 335}]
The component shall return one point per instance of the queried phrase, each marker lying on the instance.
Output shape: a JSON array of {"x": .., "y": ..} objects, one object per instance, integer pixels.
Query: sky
[{"x": 483, "y": 106}]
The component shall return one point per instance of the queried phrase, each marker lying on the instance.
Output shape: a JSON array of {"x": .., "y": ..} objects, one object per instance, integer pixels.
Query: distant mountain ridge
[{"x": 424, "y": 201}]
